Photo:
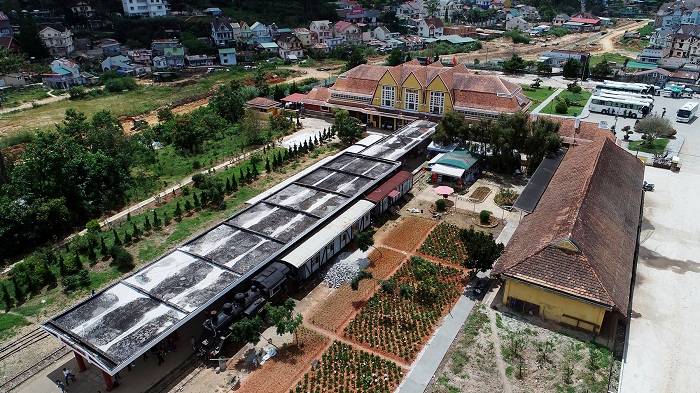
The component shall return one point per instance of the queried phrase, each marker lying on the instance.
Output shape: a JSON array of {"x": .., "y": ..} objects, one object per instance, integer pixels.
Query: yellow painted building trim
[
  {"x": 557, "y": 307},
  {"x": 386, "y": 80},
  {"x": 439, "y": 85}
]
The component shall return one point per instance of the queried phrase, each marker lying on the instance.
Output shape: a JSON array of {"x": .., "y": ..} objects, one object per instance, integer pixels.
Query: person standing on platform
[
  {"x": 68, "y": 374},
  {"x": 61, "y": 385}
]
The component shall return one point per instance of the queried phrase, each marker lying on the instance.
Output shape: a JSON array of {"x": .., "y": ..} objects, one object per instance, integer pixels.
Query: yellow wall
[
  {"x": 412, "y": 83},
  {"x": 553, "y": 306}
]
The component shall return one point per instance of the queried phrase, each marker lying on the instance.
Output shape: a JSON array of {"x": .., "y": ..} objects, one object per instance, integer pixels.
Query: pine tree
[
  {"x": 240, "y": 174},
  {"x": 267, "y": 165},
  {"x": 305, "y": 147},
  {"x": 255, "y": 172},
  {"x": 19, "y": 290},
  {"x": 197, "y": 203},
  {"x": 6, "y": 297},
  {"x": 92, "y": 256},
  {"x": 49, "y": 278},
  {"x": 137, "y": 230},
  {"x": 228, "y": 186},
  {"x": 234, "y": 183},
  {"x": 156, "y": 220},
  {"x": 103, "y": 246},
  {"x": 128, "y": 216},
  {"x": 188, "y": 205},
  {"x": 117, "y": 240},
  {"x": 311, "y": 143},
  {"x": 77, "y": 263},
  {"x": 264, "y": 149},
  {"x": 320, "y": 137},
  {"x": 204, "y": 198},
  {"x": 61, "y": 266},
  {"x": 127, "y": 237},
  {"x": 178, "y": 209},
  {"x": 248, "y": 175},
  {"x": 146, "y": 225}
]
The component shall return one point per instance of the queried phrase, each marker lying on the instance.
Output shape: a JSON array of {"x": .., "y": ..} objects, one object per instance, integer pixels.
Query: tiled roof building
[
  {"x": 391, "y": 96},
  {"x": 573, "y": 258}
]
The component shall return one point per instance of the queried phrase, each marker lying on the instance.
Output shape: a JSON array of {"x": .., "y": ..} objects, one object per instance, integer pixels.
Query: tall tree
[
  {"x": 283, "y": 318},
  {"x": 29, "y": 40},
  {"x": 346, "y": 127},
  {"x": 395, "y": 57},
  {"x": 247, "y": 330},
  {"x": 10, "y": 62}
]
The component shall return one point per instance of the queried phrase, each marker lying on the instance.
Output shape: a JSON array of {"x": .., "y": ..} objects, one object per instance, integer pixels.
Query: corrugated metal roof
[
  {"x": 327, "y": 233},
  {"x": 447, "y": 170},
  {"x": 388, "y": 186}
]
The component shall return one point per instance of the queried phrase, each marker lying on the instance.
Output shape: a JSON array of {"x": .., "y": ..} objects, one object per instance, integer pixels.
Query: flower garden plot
[
  {"x": 343, "y": 302},
  {"x": 444, "y": 243},
  {"x": 398, "y": 322},
  {"x": 346, "y": 369},
  {"x": 479, "y": 195},
  {"x": 408, "y": 233},
  {"x": 282, "y": 370}
]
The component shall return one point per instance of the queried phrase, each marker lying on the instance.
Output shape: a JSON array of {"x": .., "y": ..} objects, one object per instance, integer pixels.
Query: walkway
[
  {"x": 547, "y": 101},
  {"x": 434, "y": 352}
]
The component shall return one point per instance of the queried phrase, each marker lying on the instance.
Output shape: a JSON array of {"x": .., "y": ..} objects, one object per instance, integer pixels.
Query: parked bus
[
  {"x": 619, "y": 106},
  {"x": 625, "y": 94},
  {"x": 687, "y": 112},
  {"x": 638, "y": 88}
]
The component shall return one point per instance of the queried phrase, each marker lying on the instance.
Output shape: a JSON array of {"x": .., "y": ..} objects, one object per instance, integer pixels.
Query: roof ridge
[{"x": 590, "y": 169}]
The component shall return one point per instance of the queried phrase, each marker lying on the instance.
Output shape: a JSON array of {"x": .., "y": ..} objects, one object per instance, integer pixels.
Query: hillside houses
[{"x": 58, "y": 39}]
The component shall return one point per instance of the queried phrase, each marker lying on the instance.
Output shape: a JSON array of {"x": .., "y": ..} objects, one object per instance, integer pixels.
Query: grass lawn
[
  {"x": 16, "y": 97},
  {"x": 581, "y": 98},
  {"x": 8, "y": 322},
  {"x": 659, "y": 145},
  {"x": 132, "y": 103},
  {"x": 538, "y": 96},
  {"x": 610, "y": 57}
]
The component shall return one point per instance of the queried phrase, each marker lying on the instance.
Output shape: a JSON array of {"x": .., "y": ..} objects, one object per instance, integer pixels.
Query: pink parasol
[{"x": 444, "y": 190}]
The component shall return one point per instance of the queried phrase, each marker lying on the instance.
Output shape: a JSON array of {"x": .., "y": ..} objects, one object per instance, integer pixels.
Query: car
[{"x": 480, "y": 287}]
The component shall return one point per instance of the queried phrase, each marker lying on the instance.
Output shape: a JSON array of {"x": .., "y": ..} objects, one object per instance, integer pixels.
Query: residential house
[
  {"x": 141, "y": 56},
  {"x": 58, "y": 39},
  {"x": 679, "y": 45},
  {"x": 483, "y": 4},
  {"x": 199, "y": 60},
  {"x": 145, "y": 8},
  {"x": 659, "y": 38},
  {"x": 461, "y": 30},
  {"x": 109, "y": 46},
  {"x": 125, "y": 65},
  {"x": 83, "y": 8},
  {"x": 269, "y": 46},
  {"x": 224, "y": 31},
  {"x": 322, "y": 31},
  {"x": 260, "y": 33},
  {"x": 213, "y": 11},
  {"x": 246, "y": 34},
  {"x": 304, "y": 35},
  {"x": 16, "y": 79},
  {"x": 412, "y": 43},
  {"x": 409, "y": 10},
  {"x": 5, "y": 26},
  {"x": 572, "y": 259},
  {"x": 650, "y": 55},
  {"x": 517, "y": 23},
  {"x": 174, "y": 57},
  {"x": 588, "y": 21},
  {"x": 350, "y": 32},
  {"x": 456, "y": 166},
  {"x": 357, "y": 14},
  {"x": 320, "y": 47},
  {"x": 656, "y": 77},
  {"x": 560, "y": 19},
  {"x": 693, "y": 55},
  {"x": 9, "y": 43},
  {"x": 671, "y": 15},
  {"x": 289, "y": 46},
  {"x": 390, "y": 97},
  {"x": 158, "y": 46},
  {"x": 430, "y": 27},
  {"x": 263, "y": 107},
  {"x": 382, "y": 33},
  {"x": 64, "y": 73},
  {"x": 557, "y": 57},
  {"x": 527, "y": 12},
  {"x": 227, "y": 56}
]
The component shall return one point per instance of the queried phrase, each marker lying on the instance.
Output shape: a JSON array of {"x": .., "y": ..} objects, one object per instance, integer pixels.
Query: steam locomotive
[{"x": 267, "y": 286}]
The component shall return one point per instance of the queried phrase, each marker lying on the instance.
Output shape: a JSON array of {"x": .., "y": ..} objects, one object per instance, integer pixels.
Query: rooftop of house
[
  {"x": 581, "y": 239},
  {"x": 262, "y": 102}
]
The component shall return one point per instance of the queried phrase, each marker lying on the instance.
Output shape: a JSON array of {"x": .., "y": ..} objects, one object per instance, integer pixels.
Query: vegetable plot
[
  {"x": 401, "y": 316},
  {"x": 445, "y": 243},
  {"x": 345, "y": 369}
]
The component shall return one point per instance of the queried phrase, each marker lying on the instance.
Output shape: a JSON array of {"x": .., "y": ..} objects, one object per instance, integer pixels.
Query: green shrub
[
  {"x": 117, "y": 85},
  {"x": 485, "y": 216},
  {"x": 122, "y": 259},
  {"x": 441, "y": 205},
  {"x": 389, "y": 286},
  {"x": 576, "y": 89},
  {"x": 561, "y": 107},
  {"x": 76, "y": 93}
]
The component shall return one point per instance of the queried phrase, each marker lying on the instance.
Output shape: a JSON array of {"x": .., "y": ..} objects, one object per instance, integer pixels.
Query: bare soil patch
[
  {"x": 408, "y": 233},
  {"x": 479, "y": 195}
]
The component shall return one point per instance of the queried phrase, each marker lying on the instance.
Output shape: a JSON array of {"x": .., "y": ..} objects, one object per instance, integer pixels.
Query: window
[
  {"x": 437, "y": 102},
  {"x": 411, "y": 102},
  {"x": 388, "y": 95}
]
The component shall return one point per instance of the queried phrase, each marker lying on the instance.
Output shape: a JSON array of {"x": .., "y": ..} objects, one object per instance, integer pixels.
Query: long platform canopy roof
[{"x": 118, "y": 324}]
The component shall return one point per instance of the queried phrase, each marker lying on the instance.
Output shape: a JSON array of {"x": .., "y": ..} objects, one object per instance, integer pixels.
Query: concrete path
[{"x": 547, "y": 101}]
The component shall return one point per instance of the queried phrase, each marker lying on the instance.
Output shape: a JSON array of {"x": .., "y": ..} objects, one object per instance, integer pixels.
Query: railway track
[{"x": 14, "y": 349}]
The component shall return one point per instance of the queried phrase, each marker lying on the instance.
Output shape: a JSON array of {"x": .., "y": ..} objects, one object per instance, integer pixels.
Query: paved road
[{"x": 661, "y": 353}]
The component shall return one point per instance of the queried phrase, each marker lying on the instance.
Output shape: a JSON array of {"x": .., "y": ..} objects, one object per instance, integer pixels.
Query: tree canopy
[
  {"x": 283, "y": 318},
  {"x": 346, "y": 127},
  {"x": 483, "y": 249},
  {"x": 654, "y": 127}
]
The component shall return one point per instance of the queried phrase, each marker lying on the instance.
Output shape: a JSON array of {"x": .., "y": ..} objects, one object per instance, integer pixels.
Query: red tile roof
[
  {"x": 388, "y": 186},
  {"x": 296, "y": 97},
  {"x": 592, "y": 205}
]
